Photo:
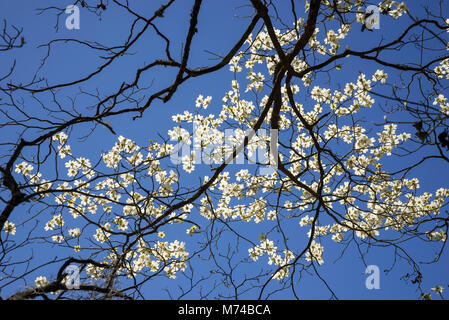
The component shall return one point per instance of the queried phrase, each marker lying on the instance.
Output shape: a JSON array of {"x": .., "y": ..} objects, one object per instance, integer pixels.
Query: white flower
[
  {"x": 61, "y": 137},
  {"x": 76, "y": 232},
  {"x": 199, "y": 101},
  {"x": 57, "y": 220},
  {"x": 121, "y": 223},
  {"x": 57, "y": 238},
  {"x": 321, "y": 95},
  {"x": 380, "y": 75},
  {"x": 9, "y": 227},
  {"x": 191, "y": 230},
  {"x": 234, "y": 64},
  {"x": 441, "y": 99},
  {"x": 315, "y": 253},
  {"x": 425, "y": 296},
  {"x": 438, "y": 289},
  {"x": 306, "y": 220},
  {"x": 179, "y": 134},
  {"x": 437, "y": 235},
  {"x": 24, "y": 168},
  {"x": 41, "y": 281},
  {"x": 101, "y": 235}
]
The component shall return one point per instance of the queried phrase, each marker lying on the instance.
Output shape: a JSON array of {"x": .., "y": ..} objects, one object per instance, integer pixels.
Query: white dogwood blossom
[
  {"x": 10, "y": 228},
  {"x": 41, "y": 281}
]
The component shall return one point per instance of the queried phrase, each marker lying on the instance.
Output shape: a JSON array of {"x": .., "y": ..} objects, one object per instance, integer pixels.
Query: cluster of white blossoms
[
  {"x": 380, "y": 75},
  {"x": 102, "y": 234},
  {"x": 79, "y": 164},
  {"x": 428, "y": 296},
  {"x": 41, "y": 281},
  {"x": 266, "y": 247},
  {"x": 321, "y": 95},
  {"x": 171, "y": 256},
  {"x": 24, "y": 168},
  {"x": 179, "y": 134},
  {"x": 256, "y": 81},
  {"x": 443, "y": 102},
  {"x": 81, "y": 197},
  {"x": 237, "y": 108},
  {"x": 122, "y": 224},
  {"x": 115, "y": 155},
  {"x": 387, "y": 5},
  {"x": 355, "y": 93},
  {"x": 202, "y": 102},
  {"x": 96, "y": 273},
  {"x": 440, "y": 235},
  {"x": 383, "y": 191},
  {"x": 334, "y": 38},
  {"x": 136, "y": 185},
  {"x": 234, "y": 64},
  {"x": 63, "y": 148},
  {"x": 442, "y": 70},
  {"x": 388, "y": 140},
  {"x": 315, "y": 44},
  {"x": 315, "y": 252},
  {"x": 282, "y": 261},
  {"x": 56, "y": 221},
  {"x": 393, "y": 8},
  {"x": 75, "y": 232},
  {"x": 386, "y": 209}
]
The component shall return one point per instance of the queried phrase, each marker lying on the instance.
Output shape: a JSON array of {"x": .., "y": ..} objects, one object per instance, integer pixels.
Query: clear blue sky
[{"x": 220, "y": 25}]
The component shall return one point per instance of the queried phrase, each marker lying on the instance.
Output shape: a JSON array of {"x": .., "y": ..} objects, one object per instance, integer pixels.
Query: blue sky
[{"x": 220, "y": 25}]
